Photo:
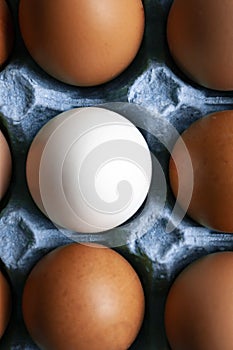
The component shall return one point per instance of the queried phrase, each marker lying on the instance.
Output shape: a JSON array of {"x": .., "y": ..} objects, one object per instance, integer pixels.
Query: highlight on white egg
[{"x": 89, "y": 170}]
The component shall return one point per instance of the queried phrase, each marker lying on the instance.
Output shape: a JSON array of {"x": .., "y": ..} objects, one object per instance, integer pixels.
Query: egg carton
[{"x": 29, "y": 98}]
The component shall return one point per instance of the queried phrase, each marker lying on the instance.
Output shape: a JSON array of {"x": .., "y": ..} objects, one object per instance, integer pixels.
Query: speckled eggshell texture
[
  {"x": 83, "y": 297},
  {"x": 200, "y": 40},
  {"x": 209, "y": 142},
  {"x": 199, "y": 308},
  {"x": 86, "y": 43}
]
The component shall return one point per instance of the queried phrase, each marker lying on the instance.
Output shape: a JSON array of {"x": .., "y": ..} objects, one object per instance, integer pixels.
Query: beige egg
[
  {"x": 83, "y": 297},
  {"x": 199, "y": 36},
  {"x": 86, "y": 43},
  {"x": 209, "y": 142},
  {"x": 5, "y": 165},
  {"x": 199, "y": 307}
]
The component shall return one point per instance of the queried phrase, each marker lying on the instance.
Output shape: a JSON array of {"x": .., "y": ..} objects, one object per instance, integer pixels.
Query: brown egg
[
  {"x": 199, "y": 307},
  {"x": 5, "y": 304},
  {"x": 86, "y": 43},
  {"x": 5, "y": 165},
  {"x": 200, "y": 40},
  {"x": 210, "y": 143},
  {"x": 83, "y": 297},
  {"x": 6, "y": 32}
]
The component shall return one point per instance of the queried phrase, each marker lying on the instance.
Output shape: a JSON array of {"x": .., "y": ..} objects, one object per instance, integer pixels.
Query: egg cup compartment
[{"x": 29, "y": 98}]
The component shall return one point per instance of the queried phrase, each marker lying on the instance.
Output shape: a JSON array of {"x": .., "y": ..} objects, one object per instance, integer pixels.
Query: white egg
[{"x": 89, "y": 169}]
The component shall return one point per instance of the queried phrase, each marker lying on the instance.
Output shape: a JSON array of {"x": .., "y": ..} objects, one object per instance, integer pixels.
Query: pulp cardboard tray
[{"x": 164, "y": 96}]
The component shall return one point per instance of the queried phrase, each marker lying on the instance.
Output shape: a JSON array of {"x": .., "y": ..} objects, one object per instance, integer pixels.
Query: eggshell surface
[
  {"x": 199, "y": 307},
  {"x": 5, "y": 304},
  {"x": 209, "y": 142},
  {"x": 5, "y": 165},
  {"x": 200, "y": 40},
  {"x": 83, "y": 297},
  {"x": 6, "y": 32},
  {"x": 86, "y": 43},
  {"x": 89, "y": 169}
]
